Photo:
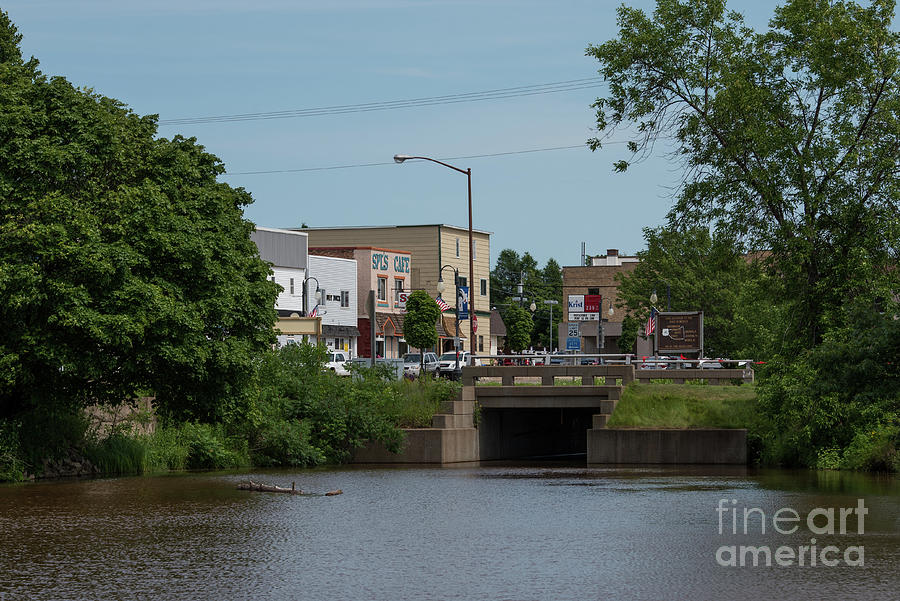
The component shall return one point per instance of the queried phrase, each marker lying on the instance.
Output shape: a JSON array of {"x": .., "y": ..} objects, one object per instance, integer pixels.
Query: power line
[
  {"x": 500, "y": 93},
  {"x": 456, "y": 158}
]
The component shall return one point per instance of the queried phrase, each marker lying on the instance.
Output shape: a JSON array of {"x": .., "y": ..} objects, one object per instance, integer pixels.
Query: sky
[{"x": 542, "y": 191}]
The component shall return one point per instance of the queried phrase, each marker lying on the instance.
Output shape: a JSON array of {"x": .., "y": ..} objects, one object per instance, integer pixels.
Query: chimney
[{"x": 612, "y": 252}]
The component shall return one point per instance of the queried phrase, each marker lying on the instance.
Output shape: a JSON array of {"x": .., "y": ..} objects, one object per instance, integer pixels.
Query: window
[
  {"x": 292, "y": 286},
  {"x": 481, "y": 344},
  {"x": 593, "y": 291},
  {"x": 457, "y": 247},
  {"x": 345, "y": 298},
  {"x": 483, "y": 287},
  {"x": 382, "y": 289},
  {"x": 462, "y": 281},
  {"x": 398, "y": 285}
]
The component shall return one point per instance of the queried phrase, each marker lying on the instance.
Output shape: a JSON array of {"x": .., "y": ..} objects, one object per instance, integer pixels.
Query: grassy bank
[
  {"x": 685, "y": 406},
  {"x": 300, "y": 415}
]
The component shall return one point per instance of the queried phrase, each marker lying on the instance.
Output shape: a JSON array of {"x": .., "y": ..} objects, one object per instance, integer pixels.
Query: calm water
[{"x": 526, "y": 531}]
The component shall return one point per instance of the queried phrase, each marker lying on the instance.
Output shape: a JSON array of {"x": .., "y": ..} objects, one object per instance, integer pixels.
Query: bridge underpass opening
[{"x": 519, "y": 433}]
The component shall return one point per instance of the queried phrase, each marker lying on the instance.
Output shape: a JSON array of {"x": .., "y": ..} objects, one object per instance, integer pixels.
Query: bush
[{"x": 12, "y": 468}]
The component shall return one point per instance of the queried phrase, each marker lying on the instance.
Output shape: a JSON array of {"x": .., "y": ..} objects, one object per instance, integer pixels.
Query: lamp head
[
  {"x": 440, "y": 286},
  {"x": 399, "y": 158},
  {"x": 653, "y": 297},
  {"x": 533, "y": 307}
]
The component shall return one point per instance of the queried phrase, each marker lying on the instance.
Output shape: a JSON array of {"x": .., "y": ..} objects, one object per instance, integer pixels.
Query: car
[
  {"x": 337, "y": 362},
  {"x": 590, "y": 361},
  {"x": 412, "y": 364},
  {"x": 710, "y": 364},
  {"x": 654, "y": 363},
  {"x": 450, "y": 364}
]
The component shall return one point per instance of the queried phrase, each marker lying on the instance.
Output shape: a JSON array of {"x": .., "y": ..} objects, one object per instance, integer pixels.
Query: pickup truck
[{"x": 337, "y": 362}]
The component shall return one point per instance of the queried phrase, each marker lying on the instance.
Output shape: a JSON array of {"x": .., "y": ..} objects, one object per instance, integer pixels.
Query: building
[
  {"x": 598, "y": 334},
  {"x": 287, "y": 252},
  {"x": 386, "y": 272},
  {"x": 498, "y": 332},
  {"x": 435, "y": 252},
  {"x": 337, "y": 301}
]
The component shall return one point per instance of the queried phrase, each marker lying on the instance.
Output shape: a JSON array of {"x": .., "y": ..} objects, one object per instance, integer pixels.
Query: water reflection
[{"x": 540, "y": 530}]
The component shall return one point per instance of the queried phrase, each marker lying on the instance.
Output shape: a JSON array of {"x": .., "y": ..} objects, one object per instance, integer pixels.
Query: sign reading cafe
[{"x": 383, "y": 261}]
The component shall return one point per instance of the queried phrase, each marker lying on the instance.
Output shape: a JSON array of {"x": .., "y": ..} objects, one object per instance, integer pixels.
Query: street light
[
  {"x": 440, "y": 288},
  {"x": 551, "y": 303},
  {"x": 654, "y": 298},
  {"x": 399, "y": 158},
  {"x": 318, "y": 297}
]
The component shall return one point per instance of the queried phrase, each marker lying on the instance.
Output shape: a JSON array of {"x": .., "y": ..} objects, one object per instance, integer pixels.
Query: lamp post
[
  {"x": 399, "y": 158},
  {"x": 440, "y": 289},
  {"x": 551, "y": 303},
  {"x": 305, "y": 297},
  {"x": 654, "y": 298}
]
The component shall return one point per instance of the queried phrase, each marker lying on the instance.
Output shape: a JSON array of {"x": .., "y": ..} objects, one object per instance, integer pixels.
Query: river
[{"x": 547, "y": 530}]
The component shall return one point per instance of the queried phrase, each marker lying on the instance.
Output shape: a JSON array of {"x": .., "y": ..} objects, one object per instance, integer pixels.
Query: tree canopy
[
  {"x": 125, "y": 267},
  {"x": 790, "y": 138},
  {"x": 538, "y": 284},
  {"x": 422, "y": 313}
]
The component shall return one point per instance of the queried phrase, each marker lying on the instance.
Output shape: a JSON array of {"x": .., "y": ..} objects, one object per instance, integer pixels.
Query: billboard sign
[
  {"x": 576, "y": 303},
  {"x": 592, "y": 303},
  {"x": 680, "y": 332}
]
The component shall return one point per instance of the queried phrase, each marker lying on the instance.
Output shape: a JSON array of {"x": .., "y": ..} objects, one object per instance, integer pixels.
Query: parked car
[
  {"x": 654, "y": 363},
  {"x": 337, "y": 362},
  {"x": 450, "y": 364},
  {"x": 710, "y": 364},
  {"x": 412, "y": 364},
  {"x": 590, "y": 361}
]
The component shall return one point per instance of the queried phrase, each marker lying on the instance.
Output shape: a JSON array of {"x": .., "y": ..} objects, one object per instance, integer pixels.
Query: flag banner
[
  {"x": 440, "y": 303},
  {"x": 651, "y": 323}
]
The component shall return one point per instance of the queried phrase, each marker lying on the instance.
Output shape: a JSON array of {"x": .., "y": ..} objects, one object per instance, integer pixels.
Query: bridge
[{"x": 529, "y": 411}]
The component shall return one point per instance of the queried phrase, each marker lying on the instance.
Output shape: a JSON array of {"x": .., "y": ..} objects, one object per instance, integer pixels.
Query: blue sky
[{"x": 198, "y": 58}]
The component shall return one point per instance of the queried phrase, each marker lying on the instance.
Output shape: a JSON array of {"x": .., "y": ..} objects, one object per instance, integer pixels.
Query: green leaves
[
  {"x": 124, "y": 264},
  {"x": 419, "y": 324}
]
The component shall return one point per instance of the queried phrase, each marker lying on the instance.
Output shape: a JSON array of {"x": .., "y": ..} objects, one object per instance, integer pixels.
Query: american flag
[
  {"x": 314, "y": 311},
  {"x": 440, "y": 302},
  {"x": 651, "y": 323}
]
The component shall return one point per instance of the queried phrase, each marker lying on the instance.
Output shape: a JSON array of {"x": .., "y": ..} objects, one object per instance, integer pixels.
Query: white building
[{"x": 337, "y": 279}]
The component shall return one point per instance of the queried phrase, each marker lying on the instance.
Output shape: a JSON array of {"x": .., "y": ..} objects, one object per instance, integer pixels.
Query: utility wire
[
  {"x": 500, "y": 93},
  {"x": 470, "y": 156}
]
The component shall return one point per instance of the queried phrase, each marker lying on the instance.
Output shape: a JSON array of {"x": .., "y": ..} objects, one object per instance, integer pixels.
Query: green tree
[
  {"x": 518, "y": 327},
  {"x": 788, "y": 137},
  {"x": 698, "y": 271},
  {"x": 537, "y": 284},
  {"x": 125, "y": 267},
  {"x": 419, "y": 328}
]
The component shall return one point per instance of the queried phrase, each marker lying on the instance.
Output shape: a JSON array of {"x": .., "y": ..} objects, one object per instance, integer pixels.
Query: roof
[
  {"x": 382, "y": 227},
  {"x": 498, "y": 328}
]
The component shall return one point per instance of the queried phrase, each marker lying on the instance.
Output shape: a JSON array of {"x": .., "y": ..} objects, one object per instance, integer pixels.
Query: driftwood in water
[{"x": 293, "y": 490}]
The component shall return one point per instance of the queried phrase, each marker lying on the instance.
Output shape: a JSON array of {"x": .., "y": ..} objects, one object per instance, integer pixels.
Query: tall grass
[{"x": 685, "y": 406}]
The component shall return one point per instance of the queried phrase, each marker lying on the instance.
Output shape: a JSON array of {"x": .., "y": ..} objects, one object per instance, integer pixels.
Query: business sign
[
  {"x": 462, "y": 301},
  {"x": 576, "y": 303},
  {"x": 680, "y": 332},
  {"x": 584, "y": 316},
  {"x": 402, "y": 297},
  {"x": 592, "y": 303},
  {"x": 573, "y": 344},
  {"x": 574, "y": 329}
]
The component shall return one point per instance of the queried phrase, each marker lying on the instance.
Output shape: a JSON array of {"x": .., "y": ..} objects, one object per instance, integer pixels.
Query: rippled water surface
[{"x": 526, "y": 531}]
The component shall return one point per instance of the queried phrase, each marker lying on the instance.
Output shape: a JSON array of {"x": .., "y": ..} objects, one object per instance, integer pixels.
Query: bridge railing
[{"x": 611, "y": 374}]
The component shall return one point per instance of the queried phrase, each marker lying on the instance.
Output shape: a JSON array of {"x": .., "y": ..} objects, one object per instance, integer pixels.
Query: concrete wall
[
  {"x": 715, "y": 446},
  {"x": 429, "y": 445}
]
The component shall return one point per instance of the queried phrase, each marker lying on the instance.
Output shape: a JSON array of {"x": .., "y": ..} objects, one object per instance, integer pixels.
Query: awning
[
  {"x": 331, "y": 331},
  {"x": 448, "y": 324}
]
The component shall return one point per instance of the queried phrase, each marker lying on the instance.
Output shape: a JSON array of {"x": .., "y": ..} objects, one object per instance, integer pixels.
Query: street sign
[
  {"x": 680, "y": 332},
  {"x": 574, "y": 329},
  {"x": 573, "y": 344},
  {"x": 584, "y": 316}
]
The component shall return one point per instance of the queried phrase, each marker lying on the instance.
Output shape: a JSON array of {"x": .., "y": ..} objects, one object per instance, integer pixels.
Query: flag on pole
[
  {"x": 651, "y": 323},
  {"x": 440, "y": 302},
  {"x": 314, "y": 311}
]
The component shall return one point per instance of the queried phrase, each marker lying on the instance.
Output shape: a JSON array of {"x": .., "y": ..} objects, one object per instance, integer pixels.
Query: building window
[
  {"x": 462, "y": 281},
  {"x": 481, "y": 344},
  {"x": 483, "y": 287},
  {"x": 292, "y": 286},
  {"x": 593, "y": 291},
  {"x": 457, "y": 247},
  {"x": 382, "y": 289},
  {"x": 345, "y": 298}
]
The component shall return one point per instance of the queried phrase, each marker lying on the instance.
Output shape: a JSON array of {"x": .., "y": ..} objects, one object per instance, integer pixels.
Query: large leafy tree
[
  {"x": 125, "y": 267},
  {"x": 519, "y": 326},
  {"x": 790, "y": 138},
  {"x": 513, "y": 270},
  {"x": 696, "y": 270}
]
